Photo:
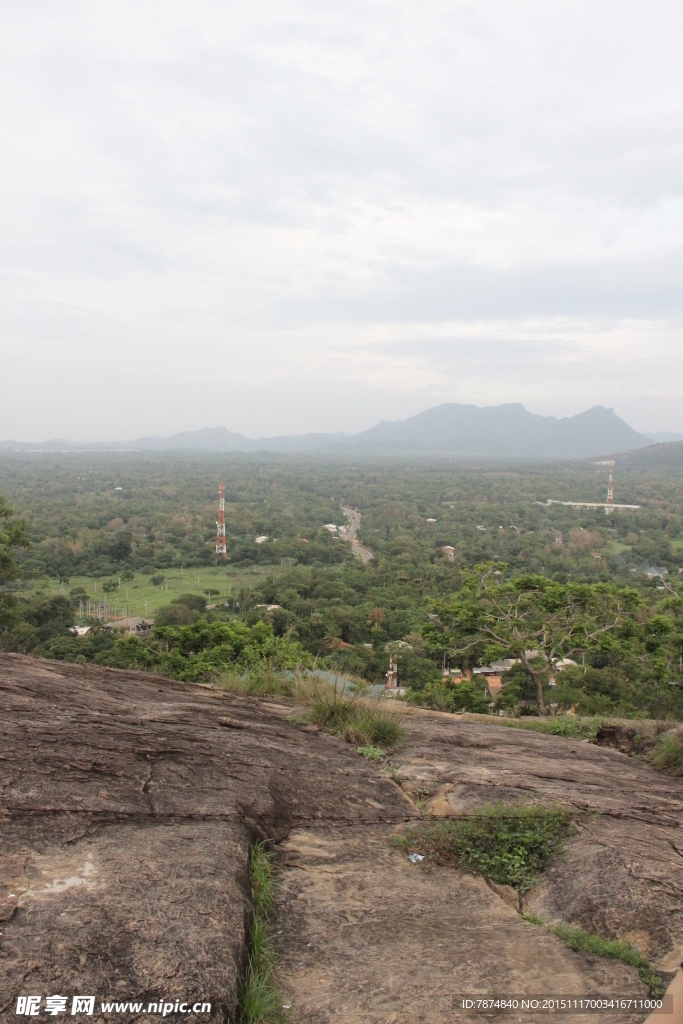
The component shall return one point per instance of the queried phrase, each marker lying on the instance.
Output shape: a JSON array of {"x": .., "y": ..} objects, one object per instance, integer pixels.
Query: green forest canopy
[{"x": 96, "y": 517}]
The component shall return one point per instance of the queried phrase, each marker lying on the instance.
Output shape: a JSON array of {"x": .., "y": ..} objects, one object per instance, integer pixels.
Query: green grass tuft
[
  {"x": 668, "y": 755},
  {"x": 262, "y": 681},
  {"x": 532, "y": 919},
  {"x": 510, "y": 844},
  {"x": 572, "y": 727},
  {"x": 262, "y": 881},
  {"x": 360, "y": 721}
]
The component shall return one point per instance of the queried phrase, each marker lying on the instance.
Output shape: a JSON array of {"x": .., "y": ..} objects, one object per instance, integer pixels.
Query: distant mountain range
[
  {"x": 665, "y": 436},
  {"x": 461, "y": 431}
]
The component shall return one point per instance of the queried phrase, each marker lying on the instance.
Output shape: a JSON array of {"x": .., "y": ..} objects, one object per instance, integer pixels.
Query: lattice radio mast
[
  {"x": 220, "y": 526},
  {"x": 609, "y": 507}
]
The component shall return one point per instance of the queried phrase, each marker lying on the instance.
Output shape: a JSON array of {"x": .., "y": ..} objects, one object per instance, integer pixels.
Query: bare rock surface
[
  {"x": 622, "y": 875},
  {"x": 127, "y": 807},
  {"x": 128, "y": 804},
  {"x": 369, "y": 938}
]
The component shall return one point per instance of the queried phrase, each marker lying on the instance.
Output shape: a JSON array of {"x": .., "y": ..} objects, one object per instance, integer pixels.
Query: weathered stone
[
  {"x": 127, "y": 806},
  {"x": 622, "y": 873},
  {"x": 367, "y": 937}
]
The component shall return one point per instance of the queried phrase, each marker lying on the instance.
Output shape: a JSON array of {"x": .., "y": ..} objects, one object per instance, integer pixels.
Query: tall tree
[
  {"x": 532, "y": 618},
  {"x": 376, "y": 617}
]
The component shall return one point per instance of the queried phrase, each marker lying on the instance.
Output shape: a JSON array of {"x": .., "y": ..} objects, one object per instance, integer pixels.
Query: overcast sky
[{"x": 309, "y": 215}]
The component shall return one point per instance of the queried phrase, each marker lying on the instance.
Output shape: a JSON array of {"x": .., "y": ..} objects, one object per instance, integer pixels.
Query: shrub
[
  {"x": 372, "y": 753},
  {"x": 447, "y": 695},
  {"x": 508, "y": 844},
  {"x": 194, "y": 601},
  {"x": 207, "y": 650},
  {"x": 174, "y": 615}
]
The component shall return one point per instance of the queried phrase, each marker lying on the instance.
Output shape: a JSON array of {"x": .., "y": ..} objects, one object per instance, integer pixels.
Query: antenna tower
[
  {"x": 220, "y": 526},
  {"x": 609, "y": 507}
]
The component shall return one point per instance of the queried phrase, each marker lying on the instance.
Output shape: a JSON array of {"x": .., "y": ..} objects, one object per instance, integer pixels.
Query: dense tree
[
  {"x": 12, "y": 536},
  {"x": 112, "y": 516}
]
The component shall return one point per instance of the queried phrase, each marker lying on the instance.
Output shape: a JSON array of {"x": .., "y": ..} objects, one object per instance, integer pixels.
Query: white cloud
[{"x": 311, "y": 216}]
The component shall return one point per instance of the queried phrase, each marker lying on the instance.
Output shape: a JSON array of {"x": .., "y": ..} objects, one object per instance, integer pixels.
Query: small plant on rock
[
  {"x": 372, "y": 753},
  {"x": 508, "y": 844}
]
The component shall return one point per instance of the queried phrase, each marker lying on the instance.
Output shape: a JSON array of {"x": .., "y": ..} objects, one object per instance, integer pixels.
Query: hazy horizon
[
  {"x": 299, "y": 217},
  {"x": 281, "y": 433}
]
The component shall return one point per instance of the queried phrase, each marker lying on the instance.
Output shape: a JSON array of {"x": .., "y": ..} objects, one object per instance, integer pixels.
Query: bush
[
  {"x": 194, "y": 601},
  {"x": 447, "y": 695},
  {"x": 174, "y": 615},
  {"x": 206, "y": 650},
  {"x": 508, "y": 844},
  {"x": 371, "y": 753}
]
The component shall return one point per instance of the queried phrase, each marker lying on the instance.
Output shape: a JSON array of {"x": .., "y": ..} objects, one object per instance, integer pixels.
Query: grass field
[
  {"x": 615, "y": 547},
  {"x": 140, "y": 596}
]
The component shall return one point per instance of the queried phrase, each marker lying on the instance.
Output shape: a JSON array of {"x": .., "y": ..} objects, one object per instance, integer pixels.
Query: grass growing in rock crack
[
  {"x": 510, "y": 844},
  {"x": 668, "y": 754},
  {"x": 584, "y": 942},
  {"x": 260, "y": 1001}
]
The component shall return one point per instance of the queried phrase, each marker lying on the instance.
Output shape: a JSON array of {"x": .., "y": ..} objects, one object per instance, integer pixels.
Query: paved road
[{"x": 350, "y": 535}]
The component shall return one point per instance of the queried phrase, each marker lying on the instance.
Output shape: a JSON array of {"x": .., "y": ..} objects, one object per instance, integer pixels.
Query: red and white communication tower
[{"x": 220, "y": 526}]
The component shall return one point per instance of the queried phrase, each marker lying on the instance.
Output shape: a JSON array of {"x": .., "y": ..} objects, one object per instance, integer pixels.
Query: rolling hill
[{"x": 459, "y": 431}]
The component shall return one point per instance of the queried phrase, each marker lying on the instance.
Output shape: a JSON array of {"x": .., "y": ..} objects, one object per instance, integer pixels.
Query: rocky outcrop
[
  {"x": 622, "y": 873},
  {"x": 127, "y": 806}
]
